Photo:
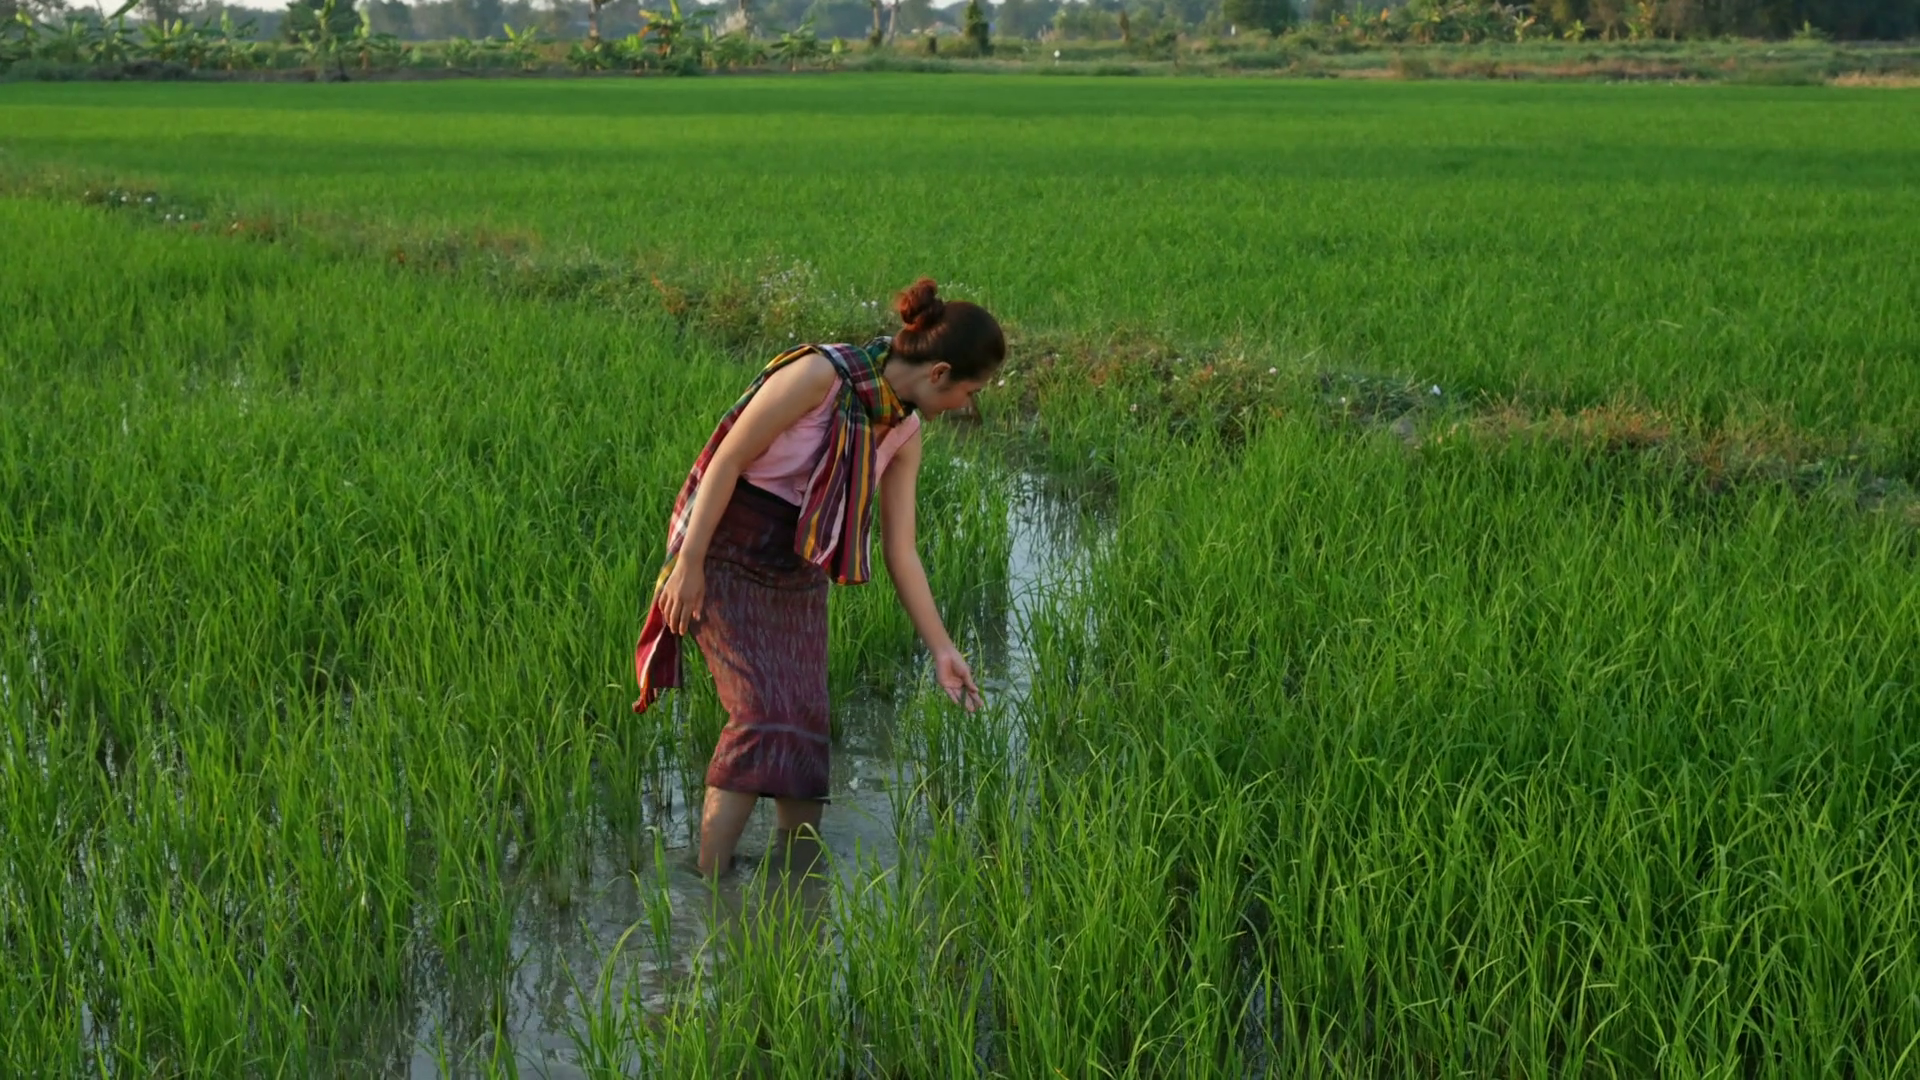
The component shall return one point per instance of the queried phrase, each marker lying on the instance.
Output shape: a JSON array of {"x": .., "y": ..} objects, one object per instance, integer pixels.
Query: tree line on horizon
[{"x": 1854, "y": 20}]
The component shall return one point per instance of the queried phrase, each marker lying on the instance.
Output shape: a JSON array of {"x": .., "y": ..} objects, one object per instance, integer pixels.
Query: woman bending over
[{"x": 778, "y": 502}]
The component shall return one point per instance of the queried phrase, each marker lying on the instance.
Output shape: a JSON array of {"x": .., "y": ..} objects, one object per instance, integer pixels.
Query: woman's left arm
[{"x": 898, "y": 486}]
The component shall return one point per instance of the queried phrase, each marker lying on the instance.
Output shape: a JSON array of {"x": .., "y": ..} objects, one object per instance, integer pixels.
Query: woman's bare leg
[
  {"x": 796, "y": 838},
  {"x": 790, "y": 814},
  {"x": 722, "y": 820}
]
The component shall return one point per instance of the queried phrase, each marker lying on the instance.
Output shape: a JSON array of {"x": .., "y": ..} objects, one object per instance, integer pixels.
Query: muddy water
[{"x": 562, "y": 951}]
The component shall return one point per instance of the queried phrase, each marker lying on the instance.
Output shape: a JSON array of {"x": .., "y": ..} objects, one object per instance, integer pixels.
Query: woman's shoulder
[{"x": 810, "y": 375}]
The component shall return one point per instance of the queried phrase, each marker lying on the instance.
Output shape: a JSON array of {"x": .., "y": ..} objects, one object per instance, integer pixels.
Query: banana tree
[
  {"x": 1476, "y": 23},
  {"x": 1521, "y": 19},
  {"x": 369, "y": 46},
  {"x": 634, "y": 53},
  {"x": 700, "y": 47},
  {"x": 461, "y": 54},
  {"x": 796, "y": 46},
  {"x": 112, "y": 44},
  {"x": 734, "y": 50},
  {"x": 19, "y": 39},
  {"x": 491, "y": 50},
  {"x": 71, "y": 42},
  {"x": 1391, "y": 26},
  {"x": 668, "y": 28},
  {"x": 320, "y": 34},
  {"x": 523, "y": 47},
  {"x": 174, "y": 40},
  {"x": 1641, "y": 24},
  {"x": 588, "y": 57},
  {"x": 230, "y": 44}
]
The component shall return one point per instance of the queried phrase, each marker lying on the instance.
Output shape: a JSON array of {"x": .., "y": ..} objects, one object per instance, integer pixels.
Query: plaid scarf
[{"x": 836, "y": 515}]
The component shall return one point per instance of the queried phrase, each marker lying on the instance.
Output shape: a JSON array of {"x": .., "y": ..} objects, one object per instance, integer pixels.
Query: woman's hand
[
  {"x": 956, "y": 678},
  {"x": 684, "y": 595}
]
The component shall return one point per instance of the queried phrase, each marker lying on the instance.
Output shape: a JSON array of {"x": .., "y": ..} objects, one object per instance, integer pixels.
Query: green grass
[
  {"x": 1716, "y": 248},
  {"x": 1534, "y": 741}
]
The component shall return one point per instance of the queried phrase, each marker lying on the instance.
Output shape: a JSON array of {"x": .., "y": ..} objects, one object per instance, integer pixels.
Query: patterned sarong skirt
[{"x": 763, "y": 633}]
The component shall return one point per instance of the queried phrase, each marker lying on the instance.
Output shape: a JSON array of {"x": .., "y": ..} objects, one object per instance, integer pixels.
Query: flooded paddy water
[{"x": 643, "y": 934}]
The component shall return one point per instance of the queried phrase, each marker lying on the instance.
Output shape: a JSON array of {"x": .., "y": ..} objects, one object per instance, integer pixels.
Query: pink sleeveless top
[{"x": 787, "y": 464}]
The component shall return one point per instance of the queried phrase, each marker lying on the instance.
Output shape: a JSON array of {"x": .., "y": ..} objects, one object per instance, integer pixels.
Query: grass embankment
[
  {"x": 1312, "y": 52},
  {"x": 1324, "y": 53},
  {"x": 1489, "y": 742}
]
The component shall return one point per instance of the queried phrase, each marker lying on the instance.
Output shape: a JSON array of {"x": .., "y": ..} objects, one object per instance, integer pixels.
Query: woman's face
[{"x": 935, "y": 390}]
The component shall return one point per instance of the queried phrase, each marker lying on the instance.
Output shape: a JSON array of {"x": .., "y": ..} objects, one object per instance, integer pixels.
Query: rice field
[{"x": 1446, "y": 557}]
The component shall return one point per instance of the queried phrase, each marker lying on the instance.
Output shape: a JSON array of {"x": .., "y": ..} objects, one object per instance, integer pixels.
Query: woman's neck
[{"x": 898, "y": 375}]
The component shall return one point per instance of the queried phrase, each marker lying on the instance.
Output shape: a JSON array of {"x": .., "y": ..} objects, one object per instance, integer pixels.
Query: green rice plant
[
  {"x": 1710, "y": 329},
  {"x": 1342, "y": 696},
  {"x": 1560, "y": 722}
]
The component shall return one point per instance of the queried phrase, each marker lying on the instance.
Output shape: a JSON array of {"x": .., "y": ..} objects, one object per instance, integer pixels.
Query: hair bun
[{"x": 920, "y": 306}]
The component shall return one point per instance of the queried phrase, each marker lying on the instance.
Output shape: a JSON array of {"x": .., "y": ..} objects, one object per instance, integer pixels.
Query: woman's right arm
[{"x": 787, "y": 396}]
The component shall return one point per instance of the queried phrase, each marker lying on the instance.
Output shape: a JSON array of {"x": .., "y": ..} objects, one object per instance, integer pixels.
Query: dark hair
[{"x": 962, "y": 334}]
